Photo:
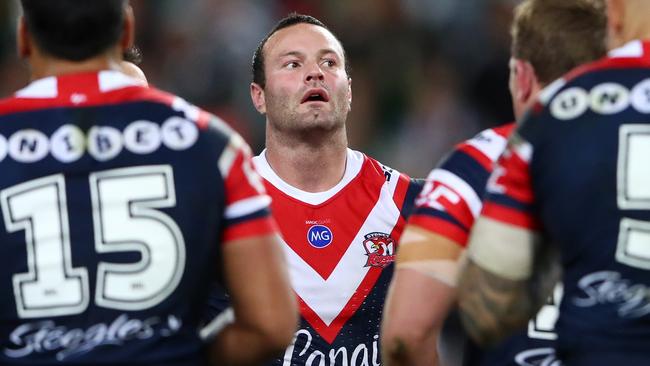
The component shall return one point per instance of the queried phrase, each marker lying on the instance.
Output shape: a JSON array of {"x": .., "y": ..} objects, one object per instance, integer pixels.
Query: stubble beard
[{"x": 287, "y": 118}]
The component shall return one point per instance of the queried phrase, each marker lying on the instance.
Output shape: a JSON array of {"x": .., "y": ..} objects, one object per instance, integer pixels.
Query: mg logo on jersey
[
  {"x": 319, "y": 236},
  {"x": 380, "y": 249}
]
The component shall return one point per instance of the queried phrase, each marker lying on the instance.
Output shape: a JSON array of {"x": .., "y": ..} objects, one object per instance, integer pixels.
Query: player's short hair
[
  {"x": 259, "y": 76},
  {"x": 74, "y": 30},
  {"x": 556, "y": 36},
  {"x": 133, "y": 55}
]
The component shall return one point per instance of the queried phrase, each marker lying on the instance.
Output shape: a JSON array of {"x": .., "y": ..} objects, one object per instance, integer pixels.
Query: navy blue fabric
[
  {"x": 575, "y": 171},
  {"x": 164, "y": 334}
]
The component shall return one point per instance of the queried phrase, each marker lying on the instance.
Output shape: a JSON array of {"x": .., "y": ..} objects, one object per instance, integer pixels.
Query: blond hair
[{"x": 555, "y": 36}]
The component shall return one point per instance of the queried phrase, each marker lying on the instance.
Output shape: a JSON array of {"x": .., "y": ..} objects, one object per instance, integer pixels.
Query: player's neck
[
  {"x": 311, "y": 166},
  {"x": 44, "y": 66}
]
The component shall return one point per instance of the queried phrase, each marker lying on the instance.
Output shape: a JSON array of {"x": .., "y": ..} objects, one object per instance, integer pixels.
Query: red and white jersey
[
  {"x": 340, "y": 245},
  {"x": 452, "y": 196},
  {"x": 449, "y": 204}
]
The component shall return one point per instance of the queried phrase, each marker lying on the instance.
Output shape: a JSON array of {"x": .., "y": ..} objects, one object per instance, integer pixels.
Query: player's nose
[{"x": 314, "y": 73}]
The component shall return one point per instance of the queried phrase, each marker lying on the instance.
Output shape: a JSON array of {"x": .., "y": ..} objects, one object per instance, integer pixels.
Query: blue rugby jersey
[
  {"x": 115, "y": 199},
  {"x": 577, "y": 173}
]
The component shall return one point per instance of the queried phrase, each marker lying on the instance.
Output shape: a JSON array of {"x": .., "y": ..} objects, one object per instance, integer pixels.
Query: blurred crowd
[{"x": 426, "y": 74}]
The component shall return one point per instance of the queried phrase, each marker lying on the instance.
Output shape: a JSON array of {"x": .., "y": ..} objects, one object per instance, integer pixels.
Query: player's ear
[
  {"x": 23, "y": 40},
  {"x": 524, "y": 80},
  {"x": 615, "y": 22},
  {"x": 258, "y": 97},
  {"x": 128, "y": 30}
]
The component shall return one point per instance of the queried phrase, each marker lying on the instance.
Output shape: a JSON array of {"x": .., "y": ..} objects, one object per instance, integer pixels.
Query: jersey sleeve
[
  {"x": 451, "y": 198},
  {"x": 505, "y": 236},
  {"x": 247, "y": 212},
  {"x": 510, "y": 197},
  {"x": 406, "y": 191}
]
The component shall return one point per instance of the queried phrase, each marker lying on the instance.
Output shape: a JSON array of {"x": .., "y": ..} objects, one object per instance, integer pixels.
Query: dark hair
[
  {"x": 259, "y": 77},
  {"x": 556, "y": 36},
  {"x": 74, "y": 30},
  {"x": 133, "y": 55}
]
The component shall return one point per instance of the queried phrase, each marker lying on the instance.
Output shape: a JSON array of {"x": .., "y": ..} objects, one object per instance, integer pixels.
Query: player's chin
[{"x": 318, "y": 121}]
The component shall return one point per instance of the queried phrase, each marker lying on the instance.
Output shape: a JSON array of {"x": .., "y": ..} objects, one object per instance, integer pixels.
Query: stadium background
[{"x": 425, "y": 73}]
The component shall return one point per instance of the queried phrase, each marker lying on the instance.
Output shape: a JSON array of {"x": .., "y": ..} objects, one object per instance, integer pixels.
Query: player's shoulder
[
  {"x": 75, "y": 90},
  {"x": 374, "y": 168},
  {"x": 632, "y": 55},
  {"x": 504, "y": 130},
  {"x": 489, "y": 142},
  {"x": 122, "y": 103},
  {"x": 467, "y": 167},
  {"x": 106, "y": 88},
  {"x": 604, "y": 87},
  {"x": 403, "y": 189},
  {"x": 475, "y": 157},
  {"x": 205, "y": 120},
  {"x": 207, "y": 123}
]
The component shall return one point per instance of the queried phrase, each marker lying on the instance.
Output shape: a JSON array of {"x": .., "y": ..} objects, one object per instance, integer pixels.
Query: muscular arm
[
  {"x": 505, "y": 280},
  {"x": 265, "y": 307},
  {"x": 421, "y": 293},
  {"x": 492, "y": 307}
]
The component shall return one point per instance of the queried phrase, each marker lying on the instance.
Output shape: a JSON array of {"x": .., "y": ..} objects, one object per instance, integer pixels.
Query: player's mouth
[{"x": 315, "y": 95}]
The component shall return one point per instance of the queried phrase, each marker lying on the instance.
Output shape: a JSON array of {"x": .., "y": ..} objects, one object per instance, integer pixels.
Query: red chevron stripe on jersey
[
  {"x": 330, "y": 236},
  {"x": 353, "y": 208}
]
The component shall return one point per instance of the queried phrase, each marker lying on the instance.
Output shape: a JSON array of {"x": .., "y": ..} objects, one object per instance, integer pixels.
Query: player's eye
[
  {"x": 292, "y": 65},
  {"x": 329, "y": 63}
]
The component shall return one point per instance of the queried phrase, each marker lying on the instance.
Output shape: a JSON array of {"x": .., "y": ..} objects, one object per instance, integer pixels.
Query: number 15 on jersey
[{"x": 125, "y": 218}]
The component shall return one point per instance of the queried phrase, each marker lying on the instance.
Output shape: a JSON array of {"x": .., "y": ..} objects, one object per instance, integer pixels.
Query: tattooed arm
[
  {"x": 505, "y": 280},
  {"x": 492, "y": 307}
]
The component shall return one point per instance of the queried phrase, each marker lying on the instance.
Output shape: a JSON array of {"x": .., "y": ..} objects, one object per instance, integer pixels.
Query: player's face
[{"x": 307, "y": 86}]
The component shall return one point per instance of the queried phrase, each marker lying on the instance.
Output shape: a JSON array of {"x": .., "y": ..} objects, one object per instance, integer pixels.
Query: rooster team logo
[{"x": 380, "y": 249}]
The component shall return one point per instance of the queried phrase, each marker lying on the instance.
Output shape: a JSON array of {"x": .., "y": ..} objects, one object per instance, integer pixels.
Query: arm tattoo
[{"x": 492, "y": 307}]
